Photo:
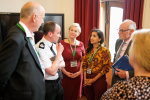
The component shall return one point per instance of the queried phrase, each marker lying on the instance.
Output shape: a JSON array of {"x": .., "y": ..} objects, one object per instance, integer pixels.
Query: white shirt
[
  {"x": 31, "y": 36},
  {"x": 46, "y": 54}
]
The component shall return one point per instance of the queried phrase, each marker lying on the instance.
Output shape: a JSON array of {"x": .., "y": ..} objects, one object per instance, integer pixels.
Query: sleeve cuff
[{"x": 127, "y": 75}]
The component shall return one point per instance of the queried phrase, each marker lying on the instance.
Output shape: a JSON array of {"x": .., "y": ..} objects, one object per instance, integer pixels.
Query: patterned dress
[
  {"x": 101, "y": 63},
  {"x": 72, "y": 86},
  {"x": 137, "y": 88}
]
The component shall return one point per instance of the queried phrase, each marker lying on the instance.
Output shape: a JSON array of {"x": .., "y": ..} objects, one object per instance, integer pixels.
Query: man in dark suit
[
  {"x": 121, "y": 48},
  {"x": 21, "y": 70}
]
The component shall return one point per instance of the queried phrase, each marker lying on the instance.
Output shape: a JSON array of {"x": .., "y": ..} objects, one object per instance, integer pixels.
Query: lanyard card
[
  {"x": 73, "y": 63},
  {"x": 89, "y": 70}
]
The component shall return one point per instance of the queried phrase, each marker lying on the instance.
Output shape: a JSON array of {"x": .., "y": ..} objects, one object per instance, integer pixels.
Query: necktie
[
  {"x": 52, "y": 50},
  {"x": 113, "y": 71},
  {"x": 119, "y": 51},
  {"x": 59, "y": 71}
]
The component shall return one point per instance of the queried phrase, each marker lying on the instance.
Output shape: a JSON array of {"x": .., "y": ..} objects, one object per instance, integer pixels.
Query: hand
[
  {"x": 75, "y": 75},
  {"x": 90, "y": 81},
  {"x": 59, "y": 48},
  {"x": 69, "y": 74},
  {"x": 60, "y": 68},
  {"x": 87, "y": 82},
  {"x": 121, "y": 73}
]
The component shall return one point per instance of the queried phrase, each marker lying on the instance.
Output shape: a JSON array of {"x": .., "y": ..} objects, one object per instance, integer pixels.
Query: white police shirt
[{"x": 43, "y": 47}]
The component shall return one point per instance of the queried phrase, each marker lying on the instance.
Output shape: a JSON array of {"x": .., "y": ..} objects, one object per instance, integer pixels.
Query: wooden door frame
[{"x": 110, "y": 3}]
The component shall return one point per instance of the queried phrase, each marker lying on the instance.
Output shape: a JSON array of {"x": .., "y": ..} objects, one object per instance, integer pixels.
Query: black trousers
[{"x": 54, "y": 90}]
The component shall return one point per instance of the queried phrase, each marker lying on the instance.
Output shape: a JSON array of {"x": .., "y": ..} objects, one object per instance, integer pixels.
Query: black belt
[{"x": 52, "y": 81}]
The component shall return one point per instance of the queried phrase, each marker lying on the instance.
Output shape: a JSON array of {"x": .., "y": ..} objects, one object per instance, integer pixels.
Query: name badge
[
  {"x": 73, "y": 63},
  {"x": 89, "y": 70}
]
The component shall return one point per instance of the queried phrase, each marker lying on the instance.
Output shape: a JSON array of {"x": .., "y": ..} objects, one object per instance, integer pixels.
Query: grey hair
[
  {"x": 132, "y": 24},
  {"x": 75, "y": 25}
]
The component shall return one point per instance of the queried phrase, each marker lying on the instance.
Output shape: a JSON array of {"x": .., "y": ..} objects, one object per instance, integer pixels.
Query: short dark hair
[
  {"x": 100, "y": 35},
  {"x": 49, "y": 27}
]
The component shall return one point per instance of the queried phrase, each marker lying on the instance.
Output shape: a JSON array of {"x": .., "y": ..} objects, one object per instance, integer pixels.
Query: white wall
[
  {"x": 146, "y": 15},
  {"x": 65, "y": 7},
  {"x": 68, "y": 9}
]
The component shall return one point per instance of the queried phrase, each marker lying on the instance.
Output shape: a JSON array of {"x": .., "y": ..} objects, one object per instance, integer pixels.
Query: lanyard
[
  {"x": 20, "y": 27},
  {"x": 35, "y": 48},
  {"x": 43, "y": 69},
  {"x": 29, "y": 38},
  {"x": 74, "y": 49},
  {"x": 93, "y": 54}
]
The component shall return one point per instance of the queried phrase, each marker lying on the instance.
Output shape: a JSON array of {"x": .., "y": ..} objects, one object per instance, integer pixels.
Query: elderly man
[
  {"x": 122, "y": 47},
  {"x": 21, "y": 70}
]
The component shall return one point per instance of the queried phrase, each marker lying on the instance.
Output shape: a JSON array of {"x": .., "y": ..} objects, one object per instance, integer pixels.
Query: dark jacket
[
  {"x": 21, "y": 75},
  {"x": 131, "y": 73}
]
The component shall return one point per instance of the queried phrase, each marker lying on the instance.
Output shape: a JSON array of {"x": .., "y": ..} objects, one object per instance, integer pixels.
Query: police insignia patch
[{"x": 42, "y": 45}]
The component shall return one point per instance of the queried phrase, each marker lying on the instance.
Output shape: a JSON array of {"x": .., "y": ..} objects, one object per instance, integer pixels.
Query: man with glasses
[{"x": 121, "y": 48}]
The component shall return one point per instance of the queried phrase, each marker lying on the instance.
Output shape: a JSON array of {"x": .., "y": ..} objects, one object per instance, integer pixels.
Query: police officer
[{"x": 51, "y": 55}]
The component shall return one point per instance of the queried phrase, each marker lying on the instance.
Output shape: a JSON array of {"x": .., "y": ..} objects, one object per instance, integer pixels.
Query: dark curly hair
[{"x": 100, "y": 35}]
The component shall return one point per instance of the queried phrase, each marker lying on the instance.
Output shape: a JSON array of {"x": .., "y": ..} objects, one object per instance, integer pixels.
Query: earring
[{"x": 99, "y": 43}]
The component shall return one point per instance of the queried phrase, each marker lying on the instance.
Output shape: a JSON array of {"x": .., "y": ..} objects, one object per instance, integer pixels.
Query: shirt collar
[
  {"x": 47, "y": 42},
  {"x": 127, "y": 42},
  {"x": 28, "y": 34}
]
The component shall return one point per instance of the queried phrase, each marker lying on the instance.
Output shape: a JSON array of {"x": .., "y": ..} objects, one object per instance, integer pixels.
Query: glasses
[{"x": 122, "y": 30}]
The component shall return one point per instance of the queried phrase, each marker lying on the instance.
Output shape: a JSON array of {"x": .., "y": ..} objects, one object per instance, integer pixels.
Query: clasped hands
[
  {"x": 87, "y": 82},
  {"x": 73, "y": 75}
]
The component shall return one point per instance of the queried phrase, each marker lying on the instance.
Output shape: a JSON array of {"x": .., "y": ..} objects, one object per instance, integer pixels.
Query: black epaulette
[{"x": 42, "y": 45}]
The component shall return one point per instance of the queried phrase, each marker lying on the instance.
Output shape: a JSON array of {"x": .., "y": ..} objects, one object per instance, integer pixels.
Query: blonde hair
[
  {"x": 141, "y": 49},
  {"x": 75, "y": 25}
]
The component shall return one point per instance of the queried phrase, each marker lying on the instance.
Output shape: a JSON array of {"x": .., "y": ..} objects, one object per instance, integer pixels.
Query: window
[
  {"x": 115, "y": 20},
  {"x": 111, "y": 18}
]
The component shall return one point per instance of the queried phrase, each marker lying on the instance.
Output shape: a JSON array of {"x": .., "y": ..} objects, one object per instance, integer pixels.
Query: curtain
[
  {"x": 133, "y": 9},
  {"x": 87, "y": 14}
]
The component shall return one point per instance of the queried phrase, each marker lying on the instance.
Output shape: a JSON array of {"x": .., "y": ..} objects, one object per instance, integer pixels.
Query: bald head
[
  {"x": 129, "y": 24},
  {"x": 30, "y": 8}
]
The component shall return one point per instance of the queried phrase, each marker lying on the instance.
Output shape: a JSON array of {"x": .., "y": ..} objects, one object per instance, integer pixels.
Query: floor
[{"x": 83, "y": 98}]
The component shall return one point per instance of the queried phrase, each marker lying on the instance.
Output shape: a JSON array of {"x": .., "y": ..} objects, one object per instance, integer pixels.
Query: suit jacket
[
  {"x": 21, "y": 76},
  {"x": 131, "y": 73}
]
